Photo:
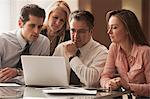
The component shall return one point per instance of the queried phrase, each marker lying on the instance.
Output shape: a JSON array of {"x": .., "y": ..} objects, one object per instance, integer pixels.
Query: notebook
[{"x": 44, "y": 70}]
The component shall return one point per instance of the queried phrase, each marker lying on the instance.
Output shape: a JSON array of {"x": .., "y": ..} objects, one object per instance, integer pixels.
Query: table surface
[{"x": 36, "y": 92}]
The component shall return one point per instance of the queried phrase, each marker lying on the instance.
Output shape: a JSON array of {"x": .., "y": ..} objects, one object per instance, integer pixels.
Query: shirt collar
[
  {"x": 21, "y": 40},
  {"x": 86, "y": 47},
  {"x": 134, "y": 50}
]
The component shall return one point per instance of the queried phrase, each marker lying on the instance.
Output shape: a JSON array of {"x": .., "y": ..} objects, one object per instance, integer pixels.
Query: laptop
[{"x": 44, "y": 70}]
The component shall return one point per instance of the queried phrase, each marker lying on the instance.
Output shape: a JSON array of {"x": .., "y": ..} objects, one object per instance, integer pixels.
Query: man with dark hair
[
  {"x": 85, "y": 58},
  {"x": 13, "y": 43},
  {"x": 33, "y": 10}
]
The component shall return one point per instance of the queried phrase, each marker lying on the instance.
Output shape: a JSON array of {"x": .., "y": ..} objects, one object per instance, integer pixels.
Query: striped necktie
[
  {"x": 74, "y": 80},
  {"x": 24, "y": 52}
]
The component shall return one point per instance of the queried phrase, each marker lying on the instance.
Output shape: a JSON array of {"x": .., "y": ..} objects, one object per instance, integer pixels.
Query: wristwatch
[{"x": 19, "y": 72}]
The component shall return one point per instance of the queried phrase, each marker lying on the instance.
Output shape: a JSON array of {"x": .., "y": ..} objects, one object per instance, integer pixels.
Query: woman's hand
[
  {"x": 114, "y": 83},
  {"x": 125, "y": 84}
]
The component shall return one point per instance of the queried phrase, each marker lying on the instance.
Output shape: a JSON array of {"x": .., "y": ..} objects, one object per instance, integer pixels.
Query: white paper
[
  {"x": 70, "y": 91},
  {"x": 9, "y": 84}
]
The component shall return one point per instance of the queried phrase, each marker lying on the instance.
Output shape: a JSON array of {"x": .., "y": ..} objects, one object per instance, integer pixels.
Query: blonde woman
[{"x": 56, "y": 26}]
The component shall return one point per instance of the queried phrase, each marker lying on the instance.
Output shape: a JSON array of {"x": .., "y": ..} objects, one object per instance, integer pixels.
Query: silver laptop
[{"x": 44, "y": 70}]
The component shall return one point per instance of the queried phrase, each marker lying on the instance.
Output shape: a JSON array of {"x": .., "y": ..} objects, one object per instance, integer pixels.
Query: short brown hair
[
  {"x": 83, "y": 15},
  {"x": 31, "y": 9}
]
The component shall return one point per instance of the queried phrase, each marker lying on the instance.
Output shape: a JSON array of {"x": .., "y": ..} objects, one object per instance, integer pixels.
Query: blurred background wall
[
  {"x": 99, "y": 8},
  {"x": 9, "y": 10}
]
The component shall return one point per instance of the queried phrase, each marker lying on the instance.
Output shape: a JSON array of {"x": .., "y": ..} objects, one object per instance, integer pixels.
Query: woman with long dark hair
[{"x": 129, "y": 55}]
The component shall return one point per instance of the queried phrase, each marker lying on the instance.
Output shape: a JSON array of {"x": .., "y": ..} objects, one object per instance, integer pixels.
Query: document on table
[
  {"x": 70, "y": 91},
  {"x": 9, "y": 84}
]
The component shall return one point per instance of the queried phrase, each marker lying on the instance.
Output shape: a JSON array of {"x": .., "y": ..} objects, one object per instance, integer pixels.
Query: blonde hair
[{"x": 58, "y": 4}]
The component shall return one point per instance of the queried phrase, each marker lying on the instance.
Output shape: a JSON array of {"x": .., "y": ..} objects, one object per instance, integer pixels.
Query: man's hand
[
  {"x": 7, "y": 73},
  {"x": 70, "y": 49}
]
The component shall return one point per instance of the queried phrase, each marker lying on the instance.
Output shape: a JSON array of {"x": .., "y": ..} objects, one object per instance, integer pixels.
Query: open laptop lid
[{"x": 44, "y": 70}]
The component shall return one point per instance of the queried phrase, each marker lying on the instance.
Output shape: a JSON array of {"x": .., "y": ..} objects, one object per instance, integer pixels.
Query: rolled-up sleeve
[{"x": 109, "y": 68}]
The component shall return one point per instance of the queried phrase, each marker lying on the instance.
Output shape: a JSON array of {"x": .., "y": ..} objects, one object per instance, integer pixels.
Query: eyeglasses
[{"x": 80, "y": 31}]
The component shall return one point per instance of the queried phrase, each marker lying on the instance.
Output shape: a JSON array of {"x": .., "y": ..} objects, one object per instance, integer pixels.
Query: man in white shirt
[
  {"x": 89, "y": 63},
  {"x": 13, "y": 43}
]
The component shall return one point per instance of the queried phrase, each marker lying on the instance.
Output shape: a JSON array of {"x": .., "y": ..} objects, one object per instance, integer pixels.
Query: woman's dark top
[{"x": 57, "y": 41}]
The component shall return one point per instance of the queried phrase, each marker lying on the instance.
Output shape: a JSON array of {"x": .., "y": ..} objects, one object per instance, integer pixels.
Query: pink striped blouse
[{"x": 134, "y": 69}]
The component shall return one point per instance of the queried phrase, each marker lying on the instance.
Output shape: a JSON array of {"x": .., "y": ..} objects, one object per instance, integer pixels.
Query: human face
[
  {"x": 56, "y": 20},
  {"x": 116, "y": 30},
  {"x": 80, "y": 33},
  {"x": 32, "y": 28}
]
